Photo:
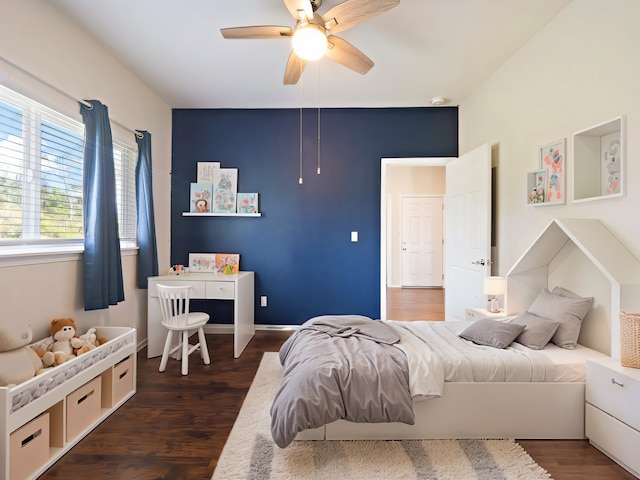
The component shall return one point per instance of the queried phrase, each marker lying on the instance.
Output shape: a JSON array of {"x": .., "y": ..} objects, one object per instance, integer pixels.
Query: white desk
[{"x": 208, "y": 286}]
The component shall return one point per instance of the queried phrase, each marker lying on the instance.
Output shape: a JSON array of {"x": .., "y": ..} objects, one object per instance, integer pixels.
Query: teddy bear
[
  {"x": 18, "y": 361},
  {"x": 86, "y": 342},
  {"x": 49, "y": 358},
  {"x": 62, "y": 331}
]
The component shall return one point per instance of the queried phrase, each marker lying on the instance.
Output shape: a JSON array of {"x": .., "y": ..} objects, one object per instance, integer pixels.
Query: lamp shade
[{"x": 494, "y": 285}]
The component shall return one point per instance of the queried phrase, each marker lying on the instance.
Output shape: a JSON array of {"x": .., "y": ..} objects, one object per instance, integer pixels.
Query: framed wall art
[
  {"x": 536, "y": 187},
  {"x": 206, "y": 171},
  {"x": 553, "y": 161},
  {"x": 201, "y": 194},
  {"x": 247, "y": 203},
  {"x": 225, "y": 189},
  {"x": 227, "y": 263},
  {"x": 202, "y": 262}
]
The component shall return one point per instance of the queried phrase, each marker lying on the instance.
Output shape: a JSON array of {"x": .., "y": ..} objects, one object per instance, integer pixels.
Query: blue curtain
[
  {"x": 147, "y": 248},
  {"x": 103, "y": 285}
]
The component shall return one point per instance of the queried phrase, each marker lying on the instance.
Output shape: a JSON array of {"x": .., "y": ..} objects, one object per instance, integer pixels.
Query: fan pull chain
[
  {"x": 318, "y": 118},
  {"x": 318, "y": 140},
  {"x": 300, "y": 180}
]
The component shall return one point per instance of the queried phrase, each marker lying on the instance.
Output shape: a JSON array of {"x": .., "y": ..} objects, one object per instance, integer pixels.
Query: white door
[
  {"x": 421, "y": 241},
  {"x": 467, "y": 231}
]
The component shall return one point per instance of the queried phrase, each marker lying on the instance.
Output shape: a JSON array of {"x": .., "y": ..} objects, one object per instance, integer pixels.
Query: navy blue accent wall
[{"x": 300, "y": 249}]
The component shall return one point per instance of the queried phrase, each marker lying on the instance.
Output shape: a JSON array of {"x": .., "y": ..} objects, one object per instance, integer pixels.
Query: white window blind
[
  {"x": 41, "y": 175},
  {"x": 125, "y": 158}
]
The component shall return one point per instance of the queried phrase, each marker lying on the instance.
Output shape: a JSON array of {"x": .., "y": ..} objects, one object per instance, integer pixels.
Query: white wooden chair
[{"x": 176, "y": 317}]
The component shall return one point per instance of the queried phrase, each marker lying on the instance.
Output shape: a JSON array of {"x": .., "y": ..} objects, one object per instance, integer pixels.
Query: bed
[
  {"x": 588, "y": 261},
  {"x": 456, "y": 389}
]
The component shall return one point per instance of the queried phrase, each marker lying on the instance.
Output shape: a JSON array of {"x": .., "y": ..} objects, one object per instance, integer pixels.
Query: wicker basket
[{"x": 630, "y": 339}]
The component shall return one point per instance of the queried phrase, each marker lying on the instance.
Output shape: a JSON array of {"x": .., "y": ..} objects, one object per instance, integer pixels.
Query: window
[{"x": 41, "y": 175}]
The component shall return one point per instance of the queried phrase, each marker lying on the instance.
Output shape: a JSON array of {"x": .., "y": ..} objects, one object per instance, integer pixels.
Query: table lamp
[{"x": 494, "y": 286}]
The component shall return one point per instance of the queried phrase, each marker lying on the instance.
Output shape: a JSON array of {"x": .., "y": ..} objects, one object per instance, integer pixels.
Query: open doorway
[
  {"x": 481, "y": 165},
  {"x": 400, "y": 177}
]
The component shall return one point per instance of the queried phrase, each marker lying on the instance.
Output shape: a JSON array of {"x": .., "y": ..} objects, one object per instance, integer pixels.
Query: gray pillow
[
  {"x": 537, "y": 330},
  {"x": 492, "y": 333},
  {"x": 568, "y": 310}
]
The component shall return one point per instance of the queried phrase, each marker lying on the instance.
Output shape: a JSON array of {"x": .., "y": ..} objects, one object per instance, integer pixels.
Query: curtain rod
[{"x": 61, "y": 92}]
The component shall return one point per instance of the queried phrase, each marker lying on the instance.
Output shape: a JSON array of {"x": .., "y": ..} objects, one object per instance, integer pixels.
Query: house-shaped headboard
[{"x": 581, "y": 255}]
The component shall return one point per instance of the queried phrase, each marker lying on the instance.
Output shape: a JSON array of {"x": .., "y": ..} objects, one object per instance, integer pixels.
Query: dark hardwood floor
[{"x": 175, "y": 427}]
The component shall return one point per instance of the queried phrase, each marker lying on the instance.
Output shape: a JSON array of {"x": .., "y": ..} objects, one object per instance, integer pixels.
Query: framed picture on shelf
[
  {"x": 225, "y": 190},
  {"x": 553, "y": 161},
  {"x": 201, "y": 195},
  {"x": 247, "y": 203},
  {"x": 202, "y": 262},
  {"x": 536, "y": 187},
  {"x": 206, "y": 171},
  {"x": 227, "y": 263},
  {"x": 611, "y": 171}
]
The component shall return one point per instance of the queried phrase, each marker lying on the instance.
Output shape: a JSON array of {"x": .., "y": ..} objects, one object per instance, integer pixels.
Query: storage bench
[{"x": 44, "y": 417}]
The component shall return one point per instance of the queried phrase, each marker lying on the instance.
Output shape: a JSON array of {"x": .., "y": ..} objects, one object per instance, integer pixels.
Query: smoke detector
[{"x": 437, "y": 101}]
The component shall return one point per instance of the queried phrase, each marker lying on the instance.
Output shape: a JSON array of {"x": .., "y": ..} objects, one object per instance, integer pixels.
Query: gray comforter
[{"x": 340, "y": 367}]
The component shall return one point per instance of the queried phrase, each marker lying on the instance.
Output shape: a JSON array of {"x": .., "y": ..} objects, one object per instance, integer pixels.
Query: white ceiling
[{"x": 421, "y": 49}]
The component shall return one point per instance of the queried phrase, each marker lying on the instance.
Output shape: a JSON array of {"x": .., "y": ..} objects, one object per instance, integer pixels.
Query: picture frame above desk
[{"x": 206, "y": 286}]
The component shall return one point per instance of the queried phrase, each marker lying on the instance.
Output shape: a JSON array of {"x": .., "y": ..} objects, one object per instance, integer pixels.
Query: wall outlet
[{"x": 263, "y": 301}]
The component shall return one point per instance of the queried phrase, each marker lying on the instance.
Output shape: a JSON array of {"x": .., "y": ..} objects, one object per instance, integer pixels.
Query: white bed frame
[
  {"x": 478, "y": 410},
  {"x": 606, "y": 271}
]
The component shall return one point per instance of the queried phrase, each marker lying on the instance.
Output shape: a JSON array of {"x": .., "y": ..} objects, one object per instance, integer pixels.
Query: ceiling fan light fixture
[{"x": 310, "y": 41}]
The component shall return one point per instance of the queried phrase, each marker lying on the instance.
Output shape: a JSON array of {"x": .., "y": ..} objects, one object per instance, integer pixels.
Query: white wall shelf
[
  {"x": 599, "y": 161},
  {"x": 194, "y": 214}
]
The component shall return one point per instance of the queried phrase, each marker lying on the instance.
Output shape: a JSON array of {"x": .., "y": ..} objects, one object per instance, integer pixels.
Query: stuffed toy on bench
[{"x": 18, "y": 361}]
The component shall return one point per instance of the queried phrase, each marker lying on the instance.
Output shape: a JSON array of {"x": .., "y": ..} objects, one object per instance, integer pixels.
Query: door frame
[{"x": 384, "y": 164}]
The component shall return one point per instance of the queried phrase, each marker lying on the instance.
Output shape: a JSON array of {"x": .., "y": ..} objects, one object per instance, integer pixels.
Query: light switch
[{"x": 354, "y": 236}]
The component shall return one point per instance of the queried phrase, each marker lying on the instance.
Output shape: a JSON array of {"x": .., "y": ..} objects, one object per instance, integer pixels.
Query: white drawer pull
[{"x": 613, "y": 380}]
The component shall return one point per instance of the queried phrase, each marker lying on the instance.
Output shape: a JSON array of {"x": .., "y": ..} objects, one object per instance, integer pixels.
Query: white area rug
[{"x": 251, "y": 454}]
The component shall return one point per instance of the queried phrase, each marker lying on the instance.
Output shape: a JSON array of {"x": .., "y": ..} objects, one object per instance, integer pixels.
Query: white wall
[
  {"x": 36, "y": 38},
  {"x": 581, "y": 69}
]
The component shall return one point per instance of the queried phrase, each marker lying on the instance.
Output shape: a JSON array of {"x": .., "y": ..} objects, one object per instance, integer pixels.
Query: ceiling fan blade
[
  {"x": 300, "y": 9},
  {"x": 263, "y": 31},
  {"x": 352, "y": 12},
  {"x": 294, "y": 69},
  {"x": 344, "y": 53}
]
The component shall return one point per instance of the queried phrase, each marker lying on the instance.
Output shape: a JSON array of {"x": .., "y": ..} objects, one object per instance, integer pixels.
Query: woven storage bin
[{"x": 630, "y": 339}]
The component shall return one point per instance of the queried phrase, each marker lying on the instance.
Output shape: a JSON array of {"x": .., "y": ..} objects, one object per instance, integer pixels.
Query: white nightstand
[
  {"x": 473, "y": 314},
  {"x": 612, "y": 417}
]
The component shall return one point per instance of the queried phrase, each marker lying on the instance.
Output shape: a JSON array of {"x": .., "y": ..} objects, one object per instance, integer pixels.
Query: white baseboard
[
  {"x": 220, "y": 328},
  {"x": 142, "y": 344}
]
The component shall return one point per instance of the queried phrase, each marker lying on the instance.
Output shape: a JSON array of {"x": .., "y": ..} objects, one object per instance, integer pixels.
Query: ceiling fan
[{"x": 313, "y": 34}]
